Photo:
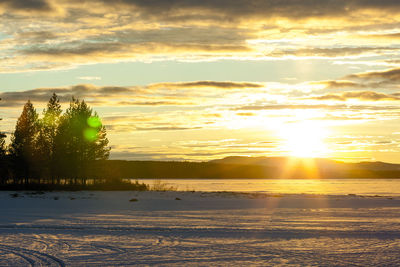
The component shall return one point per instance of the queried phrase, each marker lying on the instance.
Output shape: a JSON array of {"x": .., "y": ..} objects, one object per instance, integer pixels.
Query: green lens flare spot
[
  {"x": 90, "y": 134},
  {"x": 94, "y": 122}
]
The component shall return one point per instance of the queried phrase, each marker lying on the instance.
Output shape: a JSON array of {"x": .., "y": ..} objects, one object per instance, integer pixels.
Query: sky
[{"x": 200, "y": 80}]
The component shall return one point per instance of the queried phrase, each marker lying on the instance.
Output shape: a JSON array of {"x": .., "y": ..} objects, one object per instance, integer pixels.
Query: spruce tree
[
  {"x": 2, "y": 144},
  {"x": 80, "y": 140},
  {"x": 3, "y": 160},
  {"x": 22, "y": 147},
  {"x": 45, "y": 142}
]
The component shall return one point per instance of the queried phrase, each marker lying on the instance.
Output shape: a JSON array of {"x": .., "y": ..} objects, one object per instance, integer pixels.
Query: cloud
[
  {"x": 115, "y": 89},
  {"x": 166, "y": 128},
  {"x": 376, "y": 80},
  {"x": 85, "y": 91},
  {"x": 286, "y": 106},
  {"x": 28, "y": 6},
  {"x": 64, "y": 55},
  {"x": 213, "y": 115},
  {"x": 179, "y": 155},
  {"x": 361, "y": 95},
  {"x": 153, "y": 103},
  {"x": 352, "y": 117},
  {"x": 89, "y": 78},
  {"x": 390, "y": 36},
  {"x": 332, "y": 84},
  {"x": 40, "y": 37},
  {"x": 128, "y": 43},
  {"x": 246, "y": 114},
  {"x": 208, "y": 84},
  {"x": 391, "y": 75},
  {"x": 126, "y": 119},
  {"x": 243, "y": 9},
  {"x": 369, "y": 95},
  {"x": 161, "y": 94},
  {"x": 131, "y": 124},
  {"x": 95, "y": 31},
  {"x": 357, "y": 108},
  {"x": 330, "y": 51}
]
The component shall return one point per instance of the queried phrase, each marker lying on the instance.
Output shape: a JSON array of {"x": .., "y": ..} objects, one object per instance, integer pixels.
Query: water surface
[{"x": 386, "y": 187}]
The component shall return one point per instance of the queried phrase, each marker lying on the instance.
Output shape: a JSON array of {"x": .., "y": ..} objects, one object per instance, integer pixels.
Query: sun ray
[{"x": 304, "y": 139}]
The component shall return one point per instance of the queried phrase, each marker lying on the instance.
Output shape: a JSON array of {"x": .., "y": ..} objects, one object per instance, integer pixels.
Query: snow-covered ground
[{"x": 206, "y": 229}]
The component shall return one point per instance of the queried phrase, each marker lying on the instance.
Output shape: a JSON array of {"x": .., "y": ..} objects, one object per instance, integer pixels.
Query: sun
[{"x": 304, "y": 139}]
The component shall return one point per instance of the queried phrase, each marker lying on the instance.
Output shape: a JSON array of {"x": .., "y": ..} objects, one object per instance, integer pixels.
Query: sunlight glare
[{"x": 304, "y": 139}]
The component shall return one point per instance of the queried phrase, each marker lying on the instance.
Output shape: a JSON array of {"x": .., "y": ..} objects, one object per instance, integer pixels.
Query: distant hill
[
  {"x": 244, "y": 167},
  {"x": 268, "y": 161},
  {"x": 322, "y": 163}
]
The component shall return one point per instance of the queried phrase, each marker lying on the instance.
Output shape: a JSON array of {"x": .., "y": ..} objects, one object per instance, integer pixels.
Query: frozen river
[
  {"x": 197, "y": 229},
  {"x": 368, "y": 187}
]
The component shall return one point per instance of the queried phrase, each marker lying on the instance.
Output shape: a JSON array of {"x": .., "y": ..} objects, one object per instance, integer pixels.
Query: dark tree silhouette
[
  {"x": 22, "y": 147},
  {"x": 4, "y": 164},
  {"x": 2, "y": 144},
  {"x": 3, "y": 159},
  {"x": 80, "y": 140},
  {"x": 58, "y": 151},
  {"x": 45, "y": 143}
]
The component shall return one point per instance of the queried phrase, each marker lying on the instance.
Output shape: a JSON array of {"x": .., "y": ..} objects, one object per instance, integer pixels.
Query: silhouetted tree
[
  {"x": 45, "y": 143},
  {"x": 4, "y": 166},
  {"x": 2, "y": 143},
  {"x": 3, "y": 163},
  {"x": 80, "y": 140},
  {"x": 22, "y": 147}
]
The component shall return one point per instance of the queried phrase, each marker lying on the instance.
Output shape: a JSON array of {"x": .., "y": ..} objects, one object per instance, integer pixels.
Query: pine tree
[
  {"x": 2, "y": 144},
  {"x": 45, "y": 142},
  {"x": 80, "y": 140},
  {"x": 3, "y": 160},
  {"x": 3, "y": 163},
  {"x": 22, "y": 148}
]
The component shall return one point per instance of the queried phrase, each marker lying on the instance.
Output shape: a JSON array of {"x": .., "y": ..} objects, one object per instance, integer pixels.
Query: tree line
[{"x": 54, "y": 148}]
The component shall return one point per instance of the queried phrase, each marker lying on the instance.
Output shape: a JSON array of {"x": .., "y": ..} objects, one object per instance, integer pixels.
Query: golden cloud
[
  {"x": 103, "y": 31},
  {"x": 361, "y": 95}
]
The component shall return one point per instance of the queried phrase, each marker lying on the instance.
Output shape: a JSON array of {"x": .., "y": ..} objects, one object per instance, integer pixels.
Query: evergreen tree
[
  {"x": 80, "y": 140},
  {"x": 3, "y": 163},
  {"x": 45, "y": 143},
  {"x": 3, "y": 160},
  {"x": 22, "y": 148},
  {"x": 2, "y": 144}
]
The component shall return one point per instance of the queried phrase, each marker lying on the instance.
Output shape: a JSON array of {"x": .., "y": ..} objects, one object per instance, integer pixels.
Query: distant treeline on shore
[{"x": 243, "y": 167}]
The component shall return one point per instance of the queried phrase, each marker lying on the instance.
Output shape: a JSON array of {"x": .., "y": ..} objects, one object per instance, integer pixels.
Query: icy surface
[
  {"x": 206, "y": 229},
  {"x": 362, "y": 186}
]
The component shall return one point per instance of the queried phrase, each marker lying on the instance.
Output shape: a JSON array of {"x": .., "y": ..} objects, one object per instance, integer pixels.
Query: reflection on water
[{"x": 386, "y": 187}]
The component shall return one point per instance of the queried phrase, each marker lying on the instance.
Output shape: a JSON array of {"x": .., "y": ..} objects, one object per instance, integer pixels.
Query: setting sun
[{"x": 305, "y": 139}]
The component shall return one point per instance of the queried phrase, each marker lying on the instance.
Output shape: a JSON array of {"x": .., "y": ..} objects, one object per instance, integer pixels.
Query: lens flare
[
  {"x": 94, "y": 122},
  {"x": 90, "y": 134}
]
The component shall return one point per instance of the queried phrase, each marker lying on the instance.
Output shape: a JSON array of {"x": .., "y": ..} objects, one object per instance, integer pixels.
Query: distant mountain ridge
[{"x": 321, "y": 162}]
